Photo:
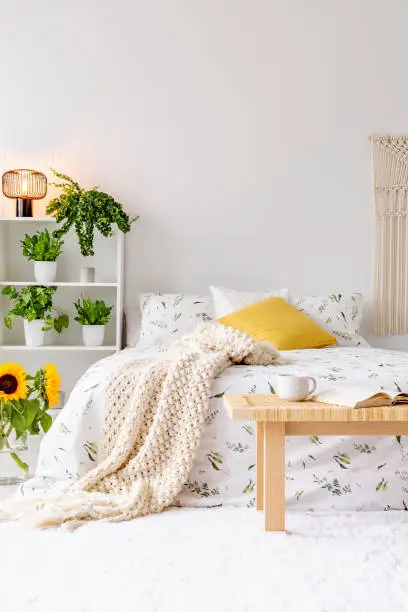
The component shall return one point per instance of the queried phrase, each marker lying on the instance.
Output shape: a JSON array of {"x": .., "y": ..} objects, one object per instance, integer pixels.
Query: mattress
[{"x": 322, "y": 472}]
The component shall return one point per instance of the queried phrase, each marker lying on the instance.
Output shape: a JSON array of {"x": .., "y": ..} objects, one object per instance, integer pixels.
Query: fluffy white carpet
[{"x": 218, "y": 560}]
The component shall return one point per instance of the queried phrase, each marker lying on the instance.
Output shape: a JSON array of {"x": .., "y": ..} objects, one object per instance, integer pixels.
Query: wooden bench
[{"x": 277, "y": 418}]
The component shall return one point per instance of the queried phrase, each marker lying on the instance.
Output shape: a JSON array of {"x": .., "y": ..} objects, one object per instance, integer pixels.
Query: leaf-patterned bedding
[{"x": 322, "y": 472}]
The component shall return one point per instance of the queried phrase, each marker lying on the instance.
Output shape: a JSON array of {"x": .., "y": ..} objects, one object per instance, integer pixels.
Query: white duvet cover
[{"x": 322, "y": 473}]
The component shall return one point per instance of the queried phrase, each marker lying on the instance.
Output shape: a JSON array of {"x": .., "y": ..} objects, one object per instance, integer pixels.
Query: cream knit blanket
[{"x": 155, "y": 411}]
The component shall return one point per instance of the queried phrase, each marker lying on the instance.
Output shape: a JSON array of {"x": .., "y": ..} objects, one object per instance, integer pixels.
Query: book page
[
  {"x": 351, "y": 395},
  {"x": 401, "y": 398}
]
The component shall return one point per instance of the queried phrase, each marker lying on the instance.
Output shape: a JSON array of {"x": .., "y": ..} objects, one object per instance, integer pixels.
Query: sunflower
[
  {"x": 52, "y": 383},
  {"x": 13, "y": 382}
]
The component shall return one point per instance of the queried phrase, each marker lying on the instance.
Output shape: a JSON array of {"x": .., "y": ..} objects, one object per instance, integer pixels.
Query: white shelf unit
[
  {"x": 56, "y": 284},
  {"x": 29, "y": 219},
  {"x": 109, "y": 285},
  {"x": 57, "y": 347}
]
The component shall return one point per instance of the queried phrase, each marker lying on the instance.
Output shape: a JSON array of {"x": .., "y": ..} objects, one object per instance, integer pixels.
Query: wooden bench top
[
  {"x": 276, "y": 419},
  {"x": 267, "y": 408}
]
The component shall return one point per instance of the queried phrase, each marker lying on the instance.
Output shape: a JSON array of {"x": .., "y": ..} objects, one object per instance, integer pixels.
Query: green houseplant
[
  {"x": 86, "y": 210},
  {"x": 43, "y": 248},
  {"x": 35, "y": 305},
  {"x": 93, "y": 317}
]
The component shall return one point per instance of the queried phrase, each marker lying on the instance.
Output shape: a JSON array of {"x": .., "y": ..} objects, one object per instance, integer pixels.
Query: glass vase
[{"x": 13, "y": 458}]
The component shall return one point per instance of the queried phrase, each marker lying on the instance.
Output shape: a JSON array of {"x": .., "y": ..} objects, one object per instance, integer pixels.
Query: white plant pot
[
  {"x": 45, "y": 271},
  {"x": 93, "y": 335},
  {"x": 34, "y": 335}
]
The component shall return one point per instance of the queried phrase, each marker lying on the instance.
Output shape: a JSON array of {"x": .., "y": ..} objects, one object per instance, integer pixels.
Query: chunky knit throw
[{"x": 155, "y": 411}]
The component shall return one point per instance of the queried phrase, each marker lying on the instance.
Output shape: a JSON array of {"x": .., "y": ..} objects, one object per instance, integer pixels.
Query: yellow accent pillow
[{"x": 274, "y": 320}]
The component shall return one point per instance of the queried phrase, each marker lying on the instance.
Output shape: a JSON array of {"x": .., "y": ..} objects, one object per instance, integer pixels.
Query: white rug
[{"x": 219, "y": 560}]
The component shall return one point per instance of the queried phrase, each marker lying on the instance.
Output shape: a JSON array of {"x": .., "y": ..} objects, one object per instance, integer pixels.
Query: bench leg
[
  {"x": 274, "y": 466},
  {"x": 260, "y": 466}
]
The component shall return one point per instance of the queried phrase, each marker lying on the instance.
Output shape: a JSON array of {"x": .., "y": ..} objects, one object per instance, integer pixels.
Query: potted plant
[
  {"x": 86, "y": 210},
  {"x": 93, "y": 316},
  {"x": 35, "y": 305},
  {"x": 43, "y": 248},
  {"x": 24, "y": 404}
]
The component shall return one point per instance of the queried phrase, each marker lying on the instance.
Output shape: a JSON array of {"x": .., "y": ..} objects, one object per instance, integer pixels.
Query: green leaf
[
  {"x": 249, "y": 487},
  {"x": 31, "y": 409},
  {"x": 42, "y": 246},
  {"x": 35, "y": 302},
  {"x": 35, "y": 427},
  {"x": 46, "y": 421},
  {"x": 92, "y": 313},
  {"x": 19, "y": 462},
  {"x": 48, "y": 324},
  {"x": 18, "y": 422},
  {"x": 218, "y": 395},
  {"x": 61, "y": 322},
  {"x": 382, "y": 485},
  {"x": 11, "y": 291}
]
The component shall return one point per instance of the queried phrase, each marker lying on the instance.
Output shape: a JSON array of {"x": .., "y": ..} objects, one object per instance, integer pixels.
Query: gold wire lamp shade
[{"x": 25, "y": 186}]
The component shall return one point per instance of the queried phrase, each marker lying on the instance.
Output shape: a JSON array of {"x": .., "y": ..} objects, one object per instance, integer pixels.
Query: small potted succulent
[
  {"x": 93, "y": 316},
  {"x": 43, "y": 249},
  {"x": 24, "y": 404},
  {"x": 34, "y": 304}
]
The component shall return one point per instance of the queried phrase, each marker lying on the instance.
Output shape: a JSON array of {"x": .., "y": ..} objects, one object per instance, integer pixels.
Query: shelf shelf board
[
  {"x": 56, "y": 347},
  {"x": 56, "y": 284},
  {"x": 29, "y": 219}
]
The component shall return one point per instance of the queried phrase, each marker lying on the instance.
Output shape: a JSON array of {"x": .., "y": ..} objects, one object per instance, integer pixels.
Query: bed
[{"x": 322, "y": 473}]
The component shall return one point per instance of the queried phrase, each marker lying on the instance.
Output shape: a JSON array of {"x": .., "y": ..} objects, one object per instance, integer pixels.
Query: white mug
[{"x": 294, "y": 388}]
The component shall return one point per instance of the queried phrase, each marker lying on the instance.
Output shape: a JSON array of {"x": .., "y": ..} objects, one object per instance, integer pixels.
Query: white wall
[{"x": 237, "y": 129}]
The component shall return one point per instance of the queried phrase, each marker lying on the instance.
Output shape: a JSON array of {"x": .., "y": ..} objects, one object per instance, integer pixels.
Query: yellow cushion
[{"x": 274, "y": 320}]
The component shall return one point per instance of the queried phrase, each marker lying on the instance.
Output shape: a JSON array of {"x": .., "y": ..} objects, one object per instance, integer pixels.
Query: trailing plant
[
  {"x": 86, "y": 210},
  {"x": 42, "y": 246},
  {"x": 92, "y": 313},
  {"x": 24, "y": 402},
  {"x": 35, "y": 302}
]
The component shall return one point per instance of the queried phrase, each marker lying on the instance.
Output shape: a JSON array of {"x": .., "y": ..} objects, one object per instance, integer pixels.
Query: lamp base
[{"x": 24, "y": 207}]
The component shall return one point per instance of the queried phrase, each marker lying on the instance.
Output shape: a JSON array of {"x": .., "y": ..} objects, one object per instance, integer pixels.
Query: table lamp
[{"x": 25, "y": 186}]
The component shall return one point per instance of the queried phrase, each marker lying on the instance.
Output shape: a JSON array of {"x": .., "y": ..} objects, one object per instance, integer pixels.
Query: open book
[{"x": 359, "y": 397}]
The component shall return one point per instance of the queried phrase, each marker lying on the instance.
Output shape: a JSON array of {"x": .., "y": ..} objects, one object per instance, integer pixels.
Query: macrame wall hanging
[{"x": 390, "y": 164}]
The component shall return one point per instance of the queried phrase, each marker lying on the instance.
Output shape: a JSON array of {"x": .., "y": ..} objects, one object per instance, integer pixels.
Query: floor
[{"x": 218, "y": 560}]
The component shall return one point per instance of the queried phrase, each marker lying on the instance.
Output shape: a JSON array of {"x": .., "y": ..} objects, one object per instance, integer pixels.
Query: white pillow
[
  {"x": 229, "y": 300},
  {"x": 132, "y": 325},
  {"x": 339, "y": 314},
  {"x": 167, "y": 317}
]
